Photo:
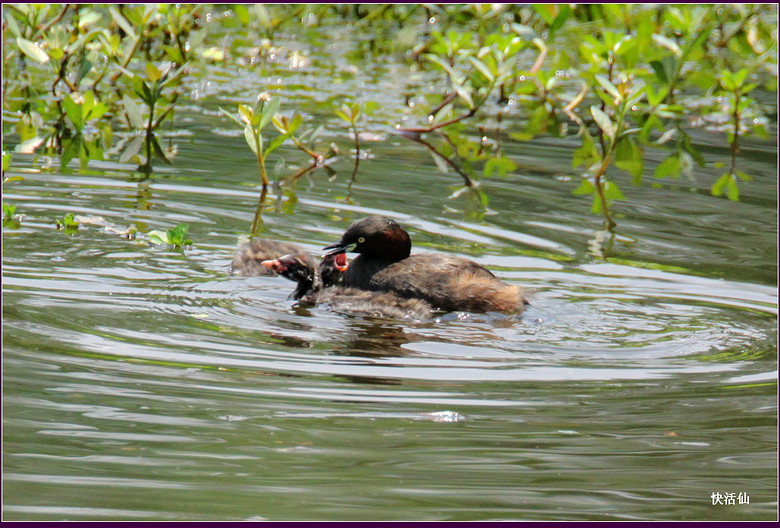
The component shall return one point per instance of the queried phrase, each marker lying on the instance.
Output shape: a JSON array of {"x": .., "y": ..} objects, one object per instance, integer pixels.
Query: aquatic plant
[
  {"x": 253, "y": 121},
  {"x": 67, "y": 223},
  {"x": 89, "y": 82},
  {"x": 176, "y": 237}
]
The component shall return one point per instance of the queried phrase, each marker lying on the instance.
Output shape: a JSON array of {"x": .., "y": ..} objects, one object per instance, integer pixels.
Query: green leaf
[
  {"x": 501, "y": 164},
  {"x": 158, "y": 237},
  {"x": 732, "y": 190},
  {"x": 563, "y": 15},
  {"x": 247, "y": 113},
  {"x": 251, "y": 140},
  {"x": 727, "y": 81},
  {"x": 443, "y": 113},
  {"x": 242, "y": 13},
  {"x": 295, "y": 124},
  {"x": 84, "y": 68},
  {"x": 603, "y": 121},
  {"x": 133, "y": 112},
  {"x": 143, "y": 91},
  {"x": 233, "y": 117},
  {"x": 664, "y": 69},
  {"x": 67, "y": 222},
  {"x": 669, "y": 167},
  {"x": 71, "y": 150},
  {"x": 263, "y": 16},
  {"x": 726, "y": 184},
  {"x": 153, "y": 72},
  {"x": 595, "y": 206},
  {"x": 8, "y": 210},
  {"x": 122, "y": 22},
  {"x": 587, "y": 153},
  {"x": 131, "y": 149},
  {"x": 628, "y": 157},
  {"x": 464, "y": 94},
  {"x": 667, "y": 43},
  {"x": 585, "y": 187},
  {"x": 97, "y": 111},
  {"x": 158, "y": 151},
  {"x": 178, "y": 235},
  {"x": 280, "y": 123},
  {"x": 12, "y": 25},
  {"x": 274, "y": 143},
  {"x": 88, "y": 18},
  {"x": 6, "y": 162},
  {"x": 371, "y": 106},
  {"x": 288, "y": 205},
  {"x": 666, "y": 136},
  {"x": 269, "y": 109},
  {"x": 454, "y": 76},
  {"x": 483, "y": 68},
  {"x": 744, "y": 176},
  {"x": 73, "y": 111},
  {"x": 740, "y": 76},
  {"x": 609, "y": 87},
  {"x": 636, "y": 92},
  {"x": 612, "y": 191},
  {"x": 32, "y": 51},
  {"x": 654, "y": 98}
]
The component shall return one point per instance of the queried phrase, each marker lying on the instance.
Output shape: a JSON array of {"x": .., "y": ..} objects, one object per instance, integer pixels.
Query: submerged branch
[{"x": 417, "y": 139}]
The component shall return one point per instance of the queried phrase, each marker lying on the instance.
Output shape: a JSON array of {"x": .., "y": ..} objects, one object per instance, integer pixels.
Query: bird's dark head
[
  {"x": 332, "y": 268},
  {"x": 297, "y": 268},
  {"x": 376, "y": 237}
]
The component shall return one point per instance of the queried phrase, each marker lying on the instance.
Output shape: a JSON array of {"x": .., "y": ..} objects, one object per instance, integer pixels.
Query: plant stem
[
  {"x": 735, "y": 141},
  {"x": 300, "y": 146},
  {"x": 263, "y": 174},
  {"x": 357, "y": 153},
  {"x": 257, "y": 221},
  {"x": 149, "y": 133},
  {"x": 43, "y": 29},
  {"x": 469, "y": 182},
  {"x": 600, "y": 189}
]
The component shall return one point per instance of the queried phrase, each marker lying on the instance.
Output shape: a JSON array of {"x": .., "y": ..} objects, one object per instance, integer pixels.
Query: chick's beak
[
  {"x": 274, "y": 265},
  {"x": 341, "y": 262}
]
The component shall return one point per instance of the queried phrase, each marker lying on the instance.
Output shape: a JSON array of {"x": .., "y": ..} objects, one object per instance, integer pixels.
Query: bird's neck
[{"x": 310, "y": 284}]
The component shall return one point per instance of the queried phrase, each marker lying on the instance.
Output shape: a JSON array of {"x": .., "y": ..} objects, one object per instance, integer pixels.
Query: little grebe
[
  {"x": 312, "y": 288},
  {"x": 249, "y": 257},
  {"x": 444, "y": 281}
]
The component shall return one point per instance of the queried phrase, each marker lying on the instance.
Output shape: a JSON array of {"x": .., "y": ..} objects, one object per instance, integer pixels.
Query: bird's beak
[
  {"x": 341, "y": 262},
  {"x": 274, "y": 265},
  {"x": 337, "y": 248}
]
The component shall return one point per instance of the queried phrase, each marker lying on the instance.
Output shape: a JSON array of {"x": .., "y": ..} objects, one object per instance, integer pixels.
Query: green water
[{"x": 144, "y": 383}]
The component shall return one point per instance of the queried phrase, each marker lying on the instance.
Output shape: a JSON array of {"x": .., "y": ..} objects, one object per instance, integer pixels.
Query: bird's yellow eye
[{"x": 361, "y": 240}]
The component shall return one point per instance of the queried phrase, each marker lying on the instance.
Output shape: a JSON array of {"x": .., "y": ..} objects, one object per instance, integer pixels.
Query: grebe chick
[
  {"x": 311, "y": 289},
  {"x": 248, "y": 259}
]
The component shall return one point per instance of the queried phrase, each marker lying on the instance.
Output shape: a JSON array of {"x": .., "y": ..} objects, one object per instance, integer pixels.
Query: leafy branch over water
[{"x": 93, "y": 82}]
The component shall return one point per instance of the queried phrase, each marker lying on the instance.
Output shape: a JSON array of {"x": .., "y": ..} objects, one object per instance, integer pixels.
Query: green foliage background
[{"x": 84, "y": 81}]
